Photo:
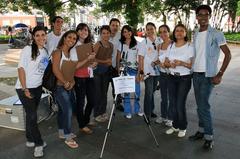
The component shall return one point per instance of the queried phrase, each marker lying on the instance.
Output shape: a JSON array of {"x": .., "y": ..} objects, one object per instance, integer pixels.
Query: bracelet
[{"x": 25, "y": 89}]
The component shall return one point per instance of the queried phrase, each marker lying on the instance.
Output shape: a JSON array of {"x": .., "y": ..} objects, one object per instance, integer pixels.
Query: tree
[
  {"x": 131, "y": 9},
  {"x": 50, "y": 7}
]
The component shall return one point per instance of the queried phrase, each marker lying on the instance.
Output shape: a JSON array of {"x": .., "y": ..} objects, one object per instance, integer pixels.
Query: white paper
[{"x": 124, "y": 84}]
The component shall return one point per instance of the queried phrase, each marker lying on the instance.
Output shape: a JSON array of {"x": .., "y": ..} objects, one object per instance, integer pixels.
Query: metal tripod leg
[
  {"x": 150, "y": 129},
  {"x": 108, "y": 127}
]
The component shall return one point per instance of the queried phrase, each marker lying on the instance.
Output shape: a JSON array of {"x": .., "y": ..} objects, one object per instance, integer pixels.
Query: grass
[
  {"x": 232, "y": 36},
  {"x": 11, "y": 81},
  {"x": 4, "y": 37}
]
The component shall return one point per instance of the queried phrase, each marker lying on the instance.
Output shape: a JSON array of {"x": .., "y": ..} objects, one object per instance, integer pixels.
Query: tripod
[{"x": 122, "y": 73}]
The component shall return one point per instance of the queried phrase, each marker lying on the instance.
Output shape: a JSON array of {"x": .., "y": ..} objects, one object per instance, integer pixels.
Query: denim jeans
[
  {"x": 166, "y": 110},
  {"x": 127, "y": 100},
  {"x": 65, "y": 101},
  {"x": 101, "y": 81},
  {"x": 30, "y": 107},
  {"x": 179, "y": 87},
  {"x": 150, "y": 87},
  {"x": 84, "y": 87},
  {"x": 202, "y": 89}
]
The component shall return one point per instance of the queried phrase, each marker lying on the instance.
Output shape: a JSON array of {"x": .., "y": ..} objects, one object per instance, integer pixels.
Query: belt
[{"x": 199, "y": 73}]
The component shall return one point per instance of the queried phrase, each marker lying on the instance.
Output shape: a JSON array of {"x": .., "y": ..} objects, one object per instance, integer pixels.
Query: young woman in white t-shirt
[
  {"x": 148, "y": 53},
  {"x": 128, "y": 52},
  {"x": 33, "y": 61},
  {"x": 166, "y": 111},
  {"x": 179, "y": 61}
]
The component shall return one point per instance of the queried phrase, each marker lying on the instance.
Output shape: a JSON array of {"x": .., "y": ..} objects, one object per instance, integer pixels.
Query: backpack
[{"x": 49, "y": 80}]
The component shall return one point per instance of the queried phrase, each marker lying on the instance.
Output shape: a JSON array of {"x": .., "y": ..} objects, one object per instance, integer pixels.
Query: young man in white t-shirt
[
  {"x": 115, "y": 36},
  {"x": 54, "y": 36},
  {"x": 207, "y": 44}
]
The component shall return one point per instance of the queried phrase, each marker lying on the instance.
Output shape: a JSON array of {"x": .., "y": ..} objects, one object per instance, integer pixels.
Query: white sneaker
[
  {"x": 100, "y": 119},
  {"x": 140, "y": 114},
  {"x": 32, "y": 144},
  {"x": 181, "y": 133},
  {"x": 171, "y": 130},
  {"x": 129, "y": 116},
  {"x": 105, "y": 116},
  {"x": 159, "y": 120},
  {"x": 38, "y": 151},
  {"x": 168, "y": 123}
]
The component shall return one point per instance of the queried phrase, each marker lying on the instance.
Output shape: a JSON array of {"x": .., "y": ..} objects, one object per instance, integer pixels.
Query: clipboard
[
  {"x": 104, "y": 53},
  {"x": 83, "y": 52},
  {"x": 68, "y": 69}
]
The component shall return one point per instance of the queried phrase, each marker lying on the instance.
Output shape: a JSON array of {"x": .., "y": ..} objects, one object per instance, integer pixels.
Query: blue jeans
[
  {"x": 179, "y": 87},
  {"x": 166, "y": 110},
  {"x": 65, "y": 101},
  {"x": 202, "y": 89},
  {"x": 150, "y": 87},
  {"x": 127, "y": 101}
]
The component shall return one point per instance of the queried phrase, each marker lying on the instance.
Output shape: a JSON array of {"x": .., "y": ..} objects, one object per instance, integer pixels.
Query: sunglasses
[{"x": 154, "y": 45}]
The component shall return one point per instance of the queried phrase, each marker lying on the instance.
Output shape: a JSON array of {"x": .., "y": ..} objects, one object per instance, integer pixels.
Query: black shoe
[
  {"x": 153, "y": 115},
  {"x": 120, "y": 107},
  {"x": 208, "y": 144},
  {"x": 197, "y": 136}
]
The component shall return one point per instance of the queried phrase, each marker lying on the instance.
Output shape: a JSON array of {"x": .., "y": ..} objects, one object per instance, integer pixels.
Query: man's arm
[{"x": 227, "y": 57}]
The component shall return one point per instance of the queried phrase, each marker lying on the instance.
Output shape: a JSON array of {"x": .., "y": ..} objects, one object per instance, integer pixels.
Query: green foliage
[
  {"x": 232, "y": 36},
  {"x": 238, "y": 8}
]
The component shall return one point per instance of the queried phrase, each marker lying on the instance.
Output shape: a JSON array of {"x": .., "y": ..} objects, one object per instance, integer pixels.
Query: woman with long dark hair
[
  {"x": 128, "y": 52},
  {"x": 33, "y": 61},
  {"x": 64, "y": 90},
  {"x": 84, "y": 86},
  {"x": 179, "y": 61},
  {"x": 166, "y": 111}
]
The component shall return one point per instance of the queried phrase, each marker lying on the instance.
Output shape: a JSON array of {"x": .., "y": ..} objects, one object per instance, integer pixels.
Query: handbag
[{"x": 49, "y": 79}]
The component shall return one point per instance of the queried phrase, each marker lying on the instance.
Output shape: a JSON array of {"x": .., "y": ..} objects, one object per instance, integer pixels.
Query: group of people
[{"x": 174, "y": 63}]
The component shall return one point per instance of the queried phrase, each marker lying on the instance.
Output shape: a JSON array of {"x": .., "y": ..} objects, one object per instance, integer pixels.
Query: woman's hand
[
  {"x": 91, "y": 56},
  {"x": 178, "y": 62},
  {"x": 27, "y": 93},
  {"x": 167, "y": 63},
  {"x": 93, "y": 65}
]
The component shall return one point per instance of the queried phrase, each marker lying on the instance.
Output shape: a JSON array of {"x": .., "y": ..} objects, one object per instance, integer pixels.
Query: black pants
[
  {"x": 101, "y": 81},
  {"x": 179, "y": 87},
  {"x": 30, "y": 106},
  {"x": 84, "y": 87}
]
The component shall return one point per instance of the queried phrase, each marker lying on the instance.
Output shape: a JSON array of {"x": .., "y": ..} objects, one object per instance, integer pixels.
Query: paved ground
[{"x": 130, "y": 139}]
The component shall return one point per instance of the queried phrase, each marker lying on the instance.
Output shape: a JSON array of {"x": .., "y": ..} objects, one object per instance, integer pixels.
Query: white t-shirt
[
  {"x": 52, "y": 42},
  {"x": 73, "y": 51},
  {"x": 184, "y": 53},
  {"x": 129, "y": 54},
  {"x": 200, "y": 59},
  {"x": 150, "y": 54},
  {"x": 162, "y": 56},
  {"x": 34, "y": 69},
  {"x": 115, "y": 41}
]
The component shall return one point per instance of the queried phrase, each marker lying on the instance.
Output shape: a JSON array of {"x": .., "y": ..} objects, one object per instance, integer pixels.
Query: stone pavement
[{"x": 130, "y": 139}]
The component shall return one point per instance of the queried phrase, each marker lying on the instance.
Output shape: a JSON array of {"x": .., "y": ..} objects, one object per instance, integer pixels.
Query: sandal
[
  {"x": 86, "y": 130},
  {"x": 71, "y": 143},
  {"x": 63, "y": 137}
]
